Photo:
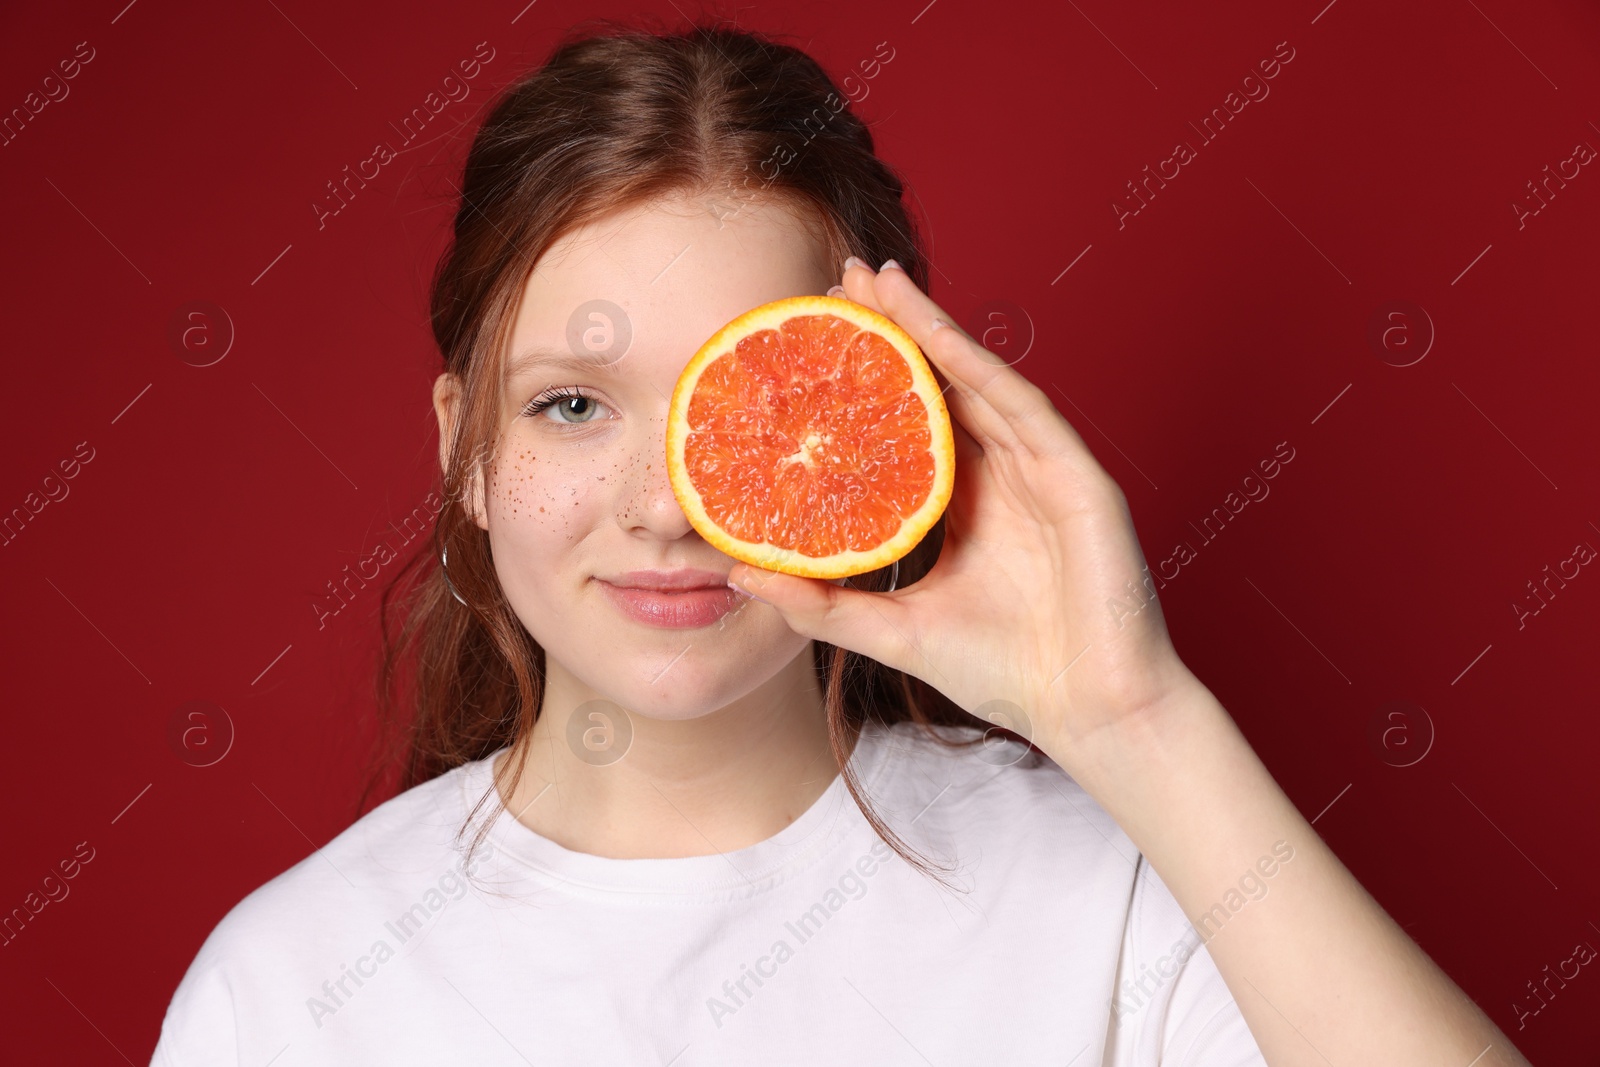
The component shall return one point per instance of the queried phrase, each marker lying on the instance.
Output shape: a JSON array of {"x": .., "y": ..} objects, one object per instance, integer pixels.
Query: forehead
[{"x": 655, "y": 281}]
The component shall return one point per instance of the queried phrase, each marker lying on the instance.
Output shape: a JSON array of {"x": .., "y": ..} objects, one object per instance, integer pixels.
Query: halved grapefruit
[{"x": 809, "y": 436}]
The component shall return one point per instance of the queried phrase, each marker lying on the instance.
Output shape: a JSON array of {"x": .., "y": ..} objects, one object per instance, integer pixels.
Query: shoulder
[
  {"x": 406, "y": 838},
  {"x": 995, "y": 791},
  {"x": 1030, "y": 827},
  {"x": 984, "y": 768},
  {"x": 388, "y": 860}
]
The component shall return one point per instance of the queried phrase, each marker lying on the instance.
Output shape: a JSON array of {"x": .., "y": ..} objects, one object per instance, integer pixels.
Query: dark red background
[{"x": 1221, "y": 320}]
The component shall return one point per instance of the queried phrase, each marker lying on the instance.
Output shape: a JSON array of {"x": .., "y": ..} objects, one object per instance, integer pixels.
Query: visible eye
[{"x": 573, "y": 406}]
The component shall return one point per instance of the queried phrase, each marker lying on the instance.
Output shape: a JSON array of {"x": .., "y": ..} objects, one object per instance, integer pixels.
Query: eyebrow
[{"x": 594, "y": 361}]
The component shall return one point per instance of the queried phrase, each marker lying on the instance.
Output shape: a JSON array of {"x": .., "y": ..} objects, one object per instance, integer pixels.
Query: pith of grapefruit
[{"x": 809, "y": 436}]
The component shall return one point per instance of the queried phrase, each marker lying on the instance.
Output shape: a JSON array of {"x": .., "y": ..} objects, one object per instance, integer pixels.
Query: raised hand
[{"x": 1029, "y": 602}]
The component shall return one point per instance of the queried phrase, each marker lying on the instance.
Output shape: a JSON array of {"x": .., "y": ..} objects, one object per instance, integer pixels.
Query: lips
[
  {"x": 686, "y": 578},
  {"x": 680, "y": 609}
]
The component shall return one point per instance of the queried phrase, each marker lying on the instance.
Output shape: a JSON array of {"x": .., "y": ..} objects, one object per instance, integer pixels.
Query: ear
[{"x": 446, "y": 408}]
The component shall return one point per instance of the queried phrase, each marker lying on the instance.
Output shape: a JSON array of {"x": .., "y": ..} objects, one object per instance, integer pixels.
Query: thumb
[{"x": 872, "y": 624}]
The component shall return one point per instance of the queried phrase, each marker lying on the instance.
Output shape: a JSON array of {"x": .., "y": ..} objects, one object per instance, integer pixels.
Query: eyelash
[{"x": 545, "y": 401}]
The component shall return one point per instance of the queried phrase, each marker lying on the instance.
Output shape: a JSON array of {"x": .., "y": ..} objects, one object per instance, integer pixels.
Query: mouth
[
  {"x": 685, "y": 579},
  {"x": 684, "y": 608}
]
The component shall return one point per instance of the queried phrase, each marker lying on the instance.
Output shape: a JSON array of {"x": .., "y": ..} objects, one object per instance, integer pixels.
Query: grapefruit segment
[{"x": 809, "y": 436}]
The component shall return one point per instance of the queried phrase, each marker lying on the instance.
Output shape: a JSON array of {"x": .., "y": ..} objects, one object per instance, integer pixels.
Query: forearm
[{"x": 1320, "y": 972}]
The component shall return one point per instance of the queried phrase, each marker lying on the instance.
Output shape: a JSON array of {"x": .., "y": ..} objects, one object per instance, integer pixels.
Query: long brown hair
[{"x": 618, "y": 116}]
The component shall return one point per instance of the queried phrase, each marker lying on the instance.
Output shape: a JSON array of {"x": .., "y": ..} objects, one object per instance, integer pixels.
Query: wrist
[{"x": 1152, "y": 742}]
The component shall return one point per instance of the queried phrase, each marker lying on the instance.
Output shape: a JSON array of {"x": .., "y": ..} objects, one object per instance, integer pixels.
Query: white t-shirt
[{"x": 817, "y": 945}]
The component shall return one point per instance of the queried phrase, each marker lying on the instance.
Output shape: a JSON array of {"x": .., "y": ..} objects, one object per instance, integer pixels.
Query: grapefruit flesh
[{"x": 809, "y": 436}]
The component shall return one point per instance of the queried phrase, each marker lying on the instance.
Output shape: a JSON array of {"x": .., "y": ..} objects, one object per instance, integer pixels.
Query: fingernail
[
  {"x": 889, "y": 263},
  {"x": 754, "y": 581},
  {"x": 854, "y": 262},
  {"x": 745, "y": 592},
  {"x": 837, "y": 290}
]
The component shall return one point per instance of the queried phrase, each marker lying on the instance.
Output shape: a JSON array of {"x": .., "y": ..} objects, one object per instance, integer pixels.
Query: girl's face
[{"x": 579, "y": 495}]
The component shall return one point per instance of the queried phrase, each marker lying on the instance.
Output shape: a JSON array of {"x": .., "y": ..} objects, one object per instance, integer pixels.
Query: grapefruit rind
[{"x": 773, "y": 557}]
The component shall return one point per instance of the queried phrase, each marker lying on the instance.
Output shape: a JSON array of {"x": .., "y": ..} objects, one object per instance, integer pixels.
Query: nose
[{"x": 647, "y": 502}]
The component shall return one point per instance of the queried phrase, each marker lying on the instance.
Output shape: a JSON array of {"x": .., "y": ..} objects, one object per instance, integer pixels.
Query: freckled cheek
[{"x": 530, "y": 491}]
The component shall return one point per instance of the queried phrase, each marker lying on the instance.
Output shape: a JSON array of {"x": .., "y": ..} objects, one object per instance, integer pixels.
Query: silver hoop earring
[{"x": 444, "y": 560}]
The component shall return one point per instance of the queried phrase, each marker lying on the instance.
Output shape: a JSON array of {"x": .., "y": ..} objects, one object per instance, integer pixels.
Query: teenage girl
[{"x": 648, "y": 819}]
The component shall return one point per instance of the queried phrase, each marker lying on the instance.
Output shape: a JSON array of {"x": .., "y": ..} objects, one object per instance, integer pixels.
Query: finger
[
  {"x": 968, "y": 448},
  {"x": 963, "y": 403},
  {"x": 967, "y": 403},
  {"x": 858, "y": 290},
  {"x": 863, "y": 285},
  {"x": 857, "y": 284},
  {"x": 1017, "y": 410},
  {"x": 875, "y": 625}
]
